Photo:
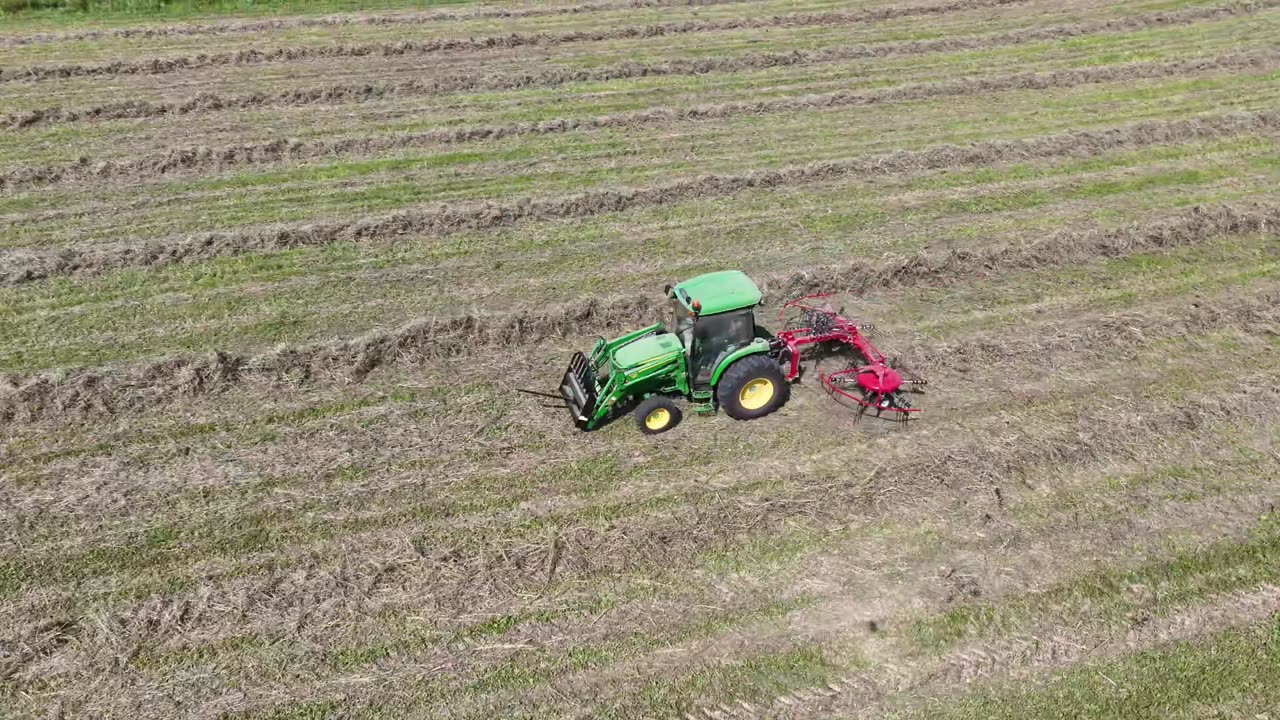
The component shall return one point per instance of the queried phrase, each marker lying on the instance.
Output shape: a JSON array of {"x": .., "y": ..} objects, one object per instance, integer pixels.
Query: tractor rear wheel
[
  {"x": 656, "y": 414},
  {"x": 752, "y": 387}
]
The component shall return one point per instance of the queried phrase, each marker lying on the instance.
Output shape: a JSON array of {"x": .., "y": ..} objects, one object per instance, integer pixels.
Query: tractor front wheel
[
  {"x": 657, "y": 414},
  {"x": 752, "y": 387}
]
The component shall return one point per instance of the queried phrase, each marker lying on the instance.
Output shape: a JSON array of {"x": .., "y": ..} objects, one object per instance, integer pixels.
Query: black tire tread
[
  {"x": 743, "y": 371},
  {"x": 651, "y": 403}
]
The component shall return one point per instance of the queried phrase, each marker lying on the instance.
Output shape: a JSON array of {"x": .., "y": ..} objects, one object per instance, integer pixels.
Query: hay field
[{"x": 268, "y": 286}]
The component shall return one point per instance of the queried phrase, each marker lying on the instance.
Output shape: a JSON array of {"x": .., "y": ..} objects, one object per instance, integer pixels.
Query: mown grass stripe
[
  {"x": 562, "y": 76},
  {"x": 1113, "y": 596},
  {"x": 1232, "y": 672}
]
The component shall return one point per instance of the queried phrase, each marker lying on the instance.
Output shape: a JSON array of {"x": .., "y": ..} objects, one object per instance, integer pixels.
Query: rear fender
[{"x": 755, "y": 347}]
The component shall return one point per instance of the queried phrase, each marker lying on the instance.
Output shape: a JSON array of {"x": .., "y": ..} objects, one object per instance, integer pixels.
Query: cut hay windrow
[
  {"x": 26, "y": 265},
  {"x": 89, "y": 392},
  {"x": 192, "y": 158},
  {"x": 340, "y": 21},
  {"x": 255, "y": 56},
  {"x": 366, "y": 92}
]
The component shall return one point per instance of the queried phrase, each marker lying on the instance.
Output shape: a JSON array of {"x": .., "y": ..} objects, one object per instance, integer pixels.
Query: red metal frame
[{"x": 876, "y": 380}]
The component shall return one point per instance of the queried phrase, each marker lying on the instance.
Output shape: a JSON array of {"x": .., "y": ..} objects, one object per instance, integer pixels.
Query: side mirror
[{"x": 666, "y": 290}]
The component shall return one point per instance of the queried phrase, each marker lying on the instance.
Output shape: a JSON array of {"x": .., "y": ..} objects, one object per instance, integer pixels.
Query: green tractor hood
[{"x": 659, "y": 347}]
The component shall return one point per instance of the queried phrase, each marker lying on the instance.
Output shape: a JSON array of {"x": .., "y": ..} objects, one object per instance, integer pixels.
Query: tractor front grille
[{"x": 578, "y": 388}]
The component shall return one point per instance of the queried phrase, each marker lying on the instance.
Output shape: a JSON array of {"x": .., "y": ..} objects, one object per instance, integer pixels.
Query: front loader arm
[
  {"x": 591, "y": 387},
  {"x": 656, "y": 377}
]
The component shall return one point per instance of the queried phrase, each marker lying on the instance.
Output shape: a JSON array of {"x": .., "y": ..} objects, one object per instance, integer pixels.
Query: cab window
[
  {"x": 715, "y": 336},
  {"x": 681, "y": 320}
]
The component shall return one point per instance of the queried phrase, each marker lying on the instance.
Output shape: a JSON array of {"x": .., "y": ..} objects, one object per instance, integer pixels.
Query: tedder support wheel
[
  {"x": 752, "y": 387},
  {"x": 657, "y": 414}
]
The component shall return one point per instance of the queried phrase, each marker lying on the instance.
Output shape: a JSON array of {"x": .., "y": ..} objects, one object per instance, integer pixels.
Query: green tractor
[{"x": 714, "y": 355}]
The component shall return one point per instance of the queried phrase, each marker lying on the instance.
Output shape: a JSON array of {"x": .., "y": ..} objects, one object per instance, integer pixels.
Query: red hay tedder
[{"x": 871, "y": 383}]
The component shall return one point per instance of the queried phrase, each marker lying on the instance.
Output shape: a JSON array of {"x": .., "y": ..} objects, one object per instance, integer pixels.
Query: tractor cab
[{"x": 714, "y": 316}]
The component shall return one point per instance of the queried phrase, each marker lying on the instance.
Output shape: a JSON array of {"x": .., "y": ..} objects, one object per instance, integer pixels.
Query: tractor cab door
[
  {"x": 714, "y": 337},
  {"x": 682, "y": 325}
]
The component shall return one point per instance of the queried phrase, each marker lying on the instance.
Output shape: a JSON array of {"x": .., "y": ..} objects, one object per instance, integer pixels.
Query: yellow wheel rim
[
  {"x": 657, "y": 419},
  {"x": 756, "y": 394}
]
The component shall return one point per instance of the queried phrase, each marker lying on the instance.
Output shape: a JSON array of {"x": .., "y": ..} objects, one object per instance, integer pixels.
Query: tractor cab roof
[{"x": 718, "y": 292}]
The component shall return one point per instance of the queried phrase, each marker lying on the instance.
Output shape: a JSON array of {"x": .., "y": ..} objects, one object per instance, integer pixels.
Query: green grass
[
  {"x": 587, "y": 161},
  {"x": 1230, "y": 674},
  {"x": 46, "y": 15},
  {"x": 1186, "y": 576},
  {"x": 1116, "y": 284},
  {"x": 12, "y": 579},
  {"x": 589, "y": 99},
  {"x": 197, "y": 526},
  {"x": 337, "y": 299},
  {"x": 526, "y": 671},
  {"x": 757, "y": 678},
  {"x": 315, "y": 548},
  {"x": 518, "y": 676},
  {"x": 767, "y": 554},
  {"x": 73, "y": 12},
  {"x": 309, "y": 710},
  {"x": 242, "y": 430},
  {"x": 758, "y": 557},
  {"x": 1121, "y": 283},
  {"x": 105, "y": 49},
  {"x": 229, "y": 272}
]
